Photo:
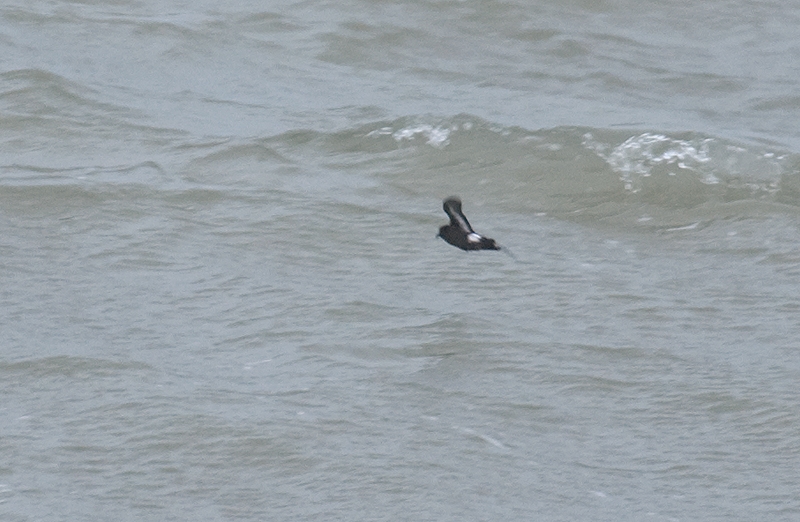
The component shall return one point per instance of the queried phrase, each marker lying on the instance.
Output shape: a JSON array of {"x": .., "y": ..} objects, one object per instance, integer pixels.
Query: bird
[{"x": 459, "y": 233}]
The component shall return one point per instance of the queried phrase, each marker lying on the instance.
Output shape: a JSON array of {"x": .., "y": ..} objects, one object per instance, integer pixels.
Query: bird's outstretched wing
[{"x": 452, "y": 207}]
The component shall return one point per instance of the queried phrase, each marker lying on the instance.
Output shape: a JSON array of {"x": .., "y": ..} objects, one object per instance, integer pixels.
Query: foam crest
[{"x": 639, "y": 155}]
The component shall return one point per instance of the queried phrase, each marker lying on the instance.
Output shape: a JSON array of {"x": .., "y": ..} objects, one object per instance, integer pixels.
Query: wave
[
  {"x": 44, "y": 96},
  {"x": 570, "y": 169},
  {"x": 570, "y": 172}
]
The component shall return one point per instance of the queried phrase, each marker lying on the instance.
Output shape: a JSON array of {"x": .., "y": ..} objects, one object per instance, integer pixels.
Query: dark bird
[{"x": 459, "y": 233}]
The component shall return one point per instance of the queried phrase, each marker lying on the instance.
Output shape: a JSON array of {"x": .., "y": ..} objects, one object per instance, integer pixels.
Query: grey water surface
[{"x": 222, "y": 298}]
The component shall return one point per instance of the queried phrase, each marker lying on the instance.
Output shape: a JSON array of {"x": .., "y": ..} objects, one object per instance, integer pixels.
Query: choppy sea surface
[{"x": 222, "y": 298}]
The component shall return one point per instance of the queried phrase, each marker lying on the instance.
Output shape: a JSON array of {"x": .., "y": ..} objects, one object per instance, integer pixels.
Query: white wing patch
[
  {"x": 474, "y": 238},
  {"x": 462, "y": 223}
]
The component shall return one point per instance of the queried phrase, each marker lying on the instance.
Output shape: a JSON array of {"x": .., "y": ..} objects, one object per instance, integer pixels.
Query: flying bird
[{"x": 459, "y": 233}]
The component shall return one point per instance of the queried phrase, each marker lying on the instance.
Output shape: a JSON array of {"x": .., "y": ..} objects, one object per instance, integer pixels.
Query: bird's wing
[{"x": 452, "y": 207}]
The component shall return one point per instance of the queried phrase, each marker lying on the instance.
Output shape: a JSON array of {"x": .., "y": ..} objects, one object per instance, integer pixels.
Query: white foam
[{"x": 438, "y": 137}]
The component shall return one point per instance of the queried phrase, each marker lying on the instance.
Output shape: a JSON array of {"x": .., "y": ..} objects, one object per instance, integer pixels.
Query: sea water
[{"x": 222, "y": 298}]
